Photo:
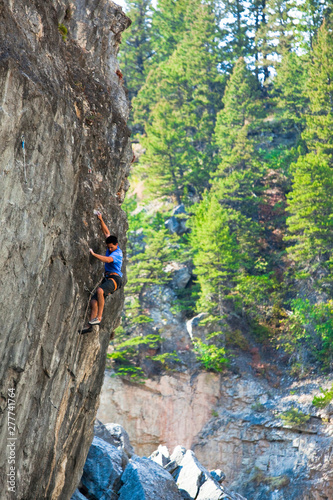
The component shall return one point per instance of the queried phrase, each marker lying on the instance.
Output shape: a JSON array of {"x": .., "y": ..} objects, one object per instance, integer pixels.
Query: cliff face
[
  {"x": 232, "y": 421},
  {"x": 64, "y": 151}
]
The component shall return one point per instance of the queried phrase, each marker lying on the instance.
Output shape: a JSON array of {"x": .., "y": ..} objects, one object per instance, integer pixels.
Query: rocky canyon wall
[
  {"x": 232, "y": 421},
  {"x": 64, "y": 151}
]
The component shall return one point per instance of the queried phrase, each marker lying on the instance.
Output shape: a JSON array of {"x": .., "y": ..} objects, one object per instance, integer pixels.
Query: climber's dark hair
[{"x": 111, "y": 239}]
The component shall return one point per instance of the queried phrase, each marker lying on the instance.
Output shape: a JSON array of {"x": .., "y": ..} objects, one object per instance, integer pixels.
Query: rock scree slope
[{"x": 64, "y": 151}]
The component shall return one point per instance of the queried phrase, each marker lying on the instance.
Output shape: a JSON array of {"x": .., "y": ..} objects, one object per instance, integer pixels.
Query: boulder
[
  {"x": 180, "y": 273},
  {"x": 218, "y": 475},
  {"x": 161, "y": 456},
  {"x": 194, "y": 481},
  {"x": 117, "y": 437},
  {"x": 176, "y": 224},
  {"x": 179, "y": 209},
  {"x": 120, "y": 438},
  {"x": 77, "y": 495},
  {"x": 178, "y": 454},
  {"x": 102, "y": 470},
  {"x": 144, "y": 479}
]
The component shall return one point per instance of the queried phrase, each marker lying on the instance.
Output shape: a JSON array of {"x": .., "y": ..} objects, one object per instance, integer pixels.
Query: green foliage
[
  {"x": 310, "y": 202},
  {"x": 151, "y": 341},
  {"x": 294, "y": 417},
  {"x": 211, "y": 357},
  {"x": 125, "y": 355},
  {"x": 167, "y": 360},
  {"x": 63, "y": 31},
  {"x": 290, "y": 89},
  {"x": 136, "y": 50},
  {"x": 142, "y": 319},
  {"x": 147, "y": 267},
  {"x": 325, "y": 399},
  {"x": 258, "y": 407},
  {"x": 135, "y": 373},
  {"x": 309, "y": 326},
  {"x": 178, "y": 105},
  {"x": 250, "y": 156},
  {"x": 274, "y": 482}
]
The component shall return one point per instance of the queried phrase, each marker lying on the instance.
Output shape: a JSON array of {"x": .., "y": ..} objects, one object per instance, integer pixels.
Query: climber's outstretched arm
[
  {"x": 102, "y": 258},
  {"x": 103, "y": 225}
]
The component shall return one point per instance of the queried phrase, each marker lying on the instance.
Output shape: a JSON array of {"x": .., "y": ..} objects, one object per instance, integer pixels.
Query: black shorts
[{"x": 108, "y": 286}]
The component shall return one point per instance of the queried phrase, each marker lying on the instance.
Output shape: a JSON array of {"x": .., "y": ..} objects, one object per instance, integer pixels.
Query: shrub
[
  {"x": 125, "y": 355},
  {"x": 63, "y": 31},
  {"x": 324, "y": 400},
  {"x": 309, "y": 326},
  {"x": 211, "y": 357},
  {"x": 167, "y": 359},
  {"x": 294, "y": 417}
]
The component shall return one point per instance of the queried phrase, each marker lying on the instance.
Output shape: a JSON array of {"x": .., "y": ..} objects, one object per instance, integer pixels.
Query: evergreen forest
[{"x": 232, "y": 119}]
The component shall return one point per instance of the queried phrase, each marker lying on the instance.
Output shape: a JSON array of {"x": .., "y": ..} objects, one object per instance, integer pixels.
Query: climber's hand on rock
[
  {"x": 91, "y": 251},
  {"x": 98, "y": 214}
]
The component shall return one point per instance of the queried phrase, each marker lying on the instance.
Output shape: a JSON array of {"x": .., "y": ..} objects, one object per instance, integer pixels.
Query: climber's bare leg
[
  {"x": 94, "y": 309},
  {"x": 101, "y": 302}
]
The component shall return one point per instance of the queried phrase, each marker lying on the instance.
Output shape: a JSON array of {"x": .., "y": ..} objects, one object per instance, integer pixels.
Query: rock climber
[{"x": 112, "y": 280}]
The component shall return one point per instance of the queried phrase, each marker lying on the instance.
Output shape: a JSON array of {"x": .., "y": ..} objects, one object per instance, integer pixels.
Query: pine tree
[
  {"x": 259, "y": 42},
  {"x": 276, "y": 33},
  {"x": 216, "y": 256},
  {"x": 136, "y": 49},
  {"x": 178, "y": 105},
  {"x": 313, "y": 12},
  {"x": 236, "y": 26},
  {"x": 310, "y": 201},
  {"x": 226, "y": 229},
  {"x": 290, "y": 90},
  {"x": 170, "y": 22},
  {"x": 235, "y": 129}
]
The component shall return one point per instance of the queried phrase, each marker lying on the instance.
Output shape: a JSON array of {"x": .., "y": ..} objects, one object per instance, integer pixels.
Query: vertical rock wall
[
  {"x": 233, "y": 423},
  {"x": 66, "y": 102}
]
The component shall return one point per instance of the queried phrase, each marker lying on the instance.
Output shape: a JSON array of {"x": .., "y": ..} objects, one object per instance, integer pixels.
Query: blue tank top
[{"x": 115, "y": 266}]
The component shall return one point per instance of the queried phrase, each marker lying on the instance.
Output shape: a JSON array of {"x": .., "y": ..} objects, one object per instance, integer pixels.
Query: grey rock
[
  {"x": 120, "y": 438},
  {"x": 178, "y": 454},
  {"x": 177, "y": 224},
  {"x": 194, "y": 481},
  {"x": 232, "y": 495},
  {"x": 102, "y": 470},
  {"x": 210, "y": 490},
  {"x": 172, "y": 225},
  {"x": 180, "y": 273},
  {"x": 101, "y": 432},
  {"x": 161, "y": 456},
  {"x": 67, "y": 101},
  {"x": 143, "y": 479},
  {"x": 114, "y": 438},
  {"x": 136, "y": 242},
  {"x": 77, "y": 495},
  {"x": 171, "y": 466},
  {"x": 179, "y": 209},
  {"x": 218, "y": 475}
]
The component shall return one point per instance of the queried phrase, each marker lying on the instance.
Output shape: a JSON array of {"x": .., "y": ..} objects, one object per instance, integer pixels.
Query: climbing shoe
[
  {"x": 94, "y": 321},
  {"x": 87, "y": 329}
]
